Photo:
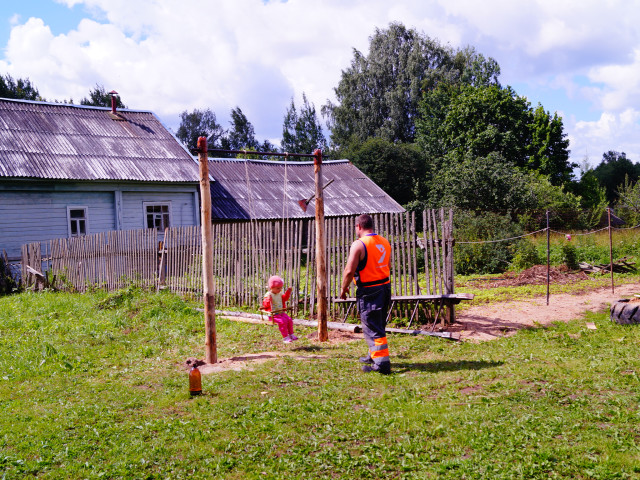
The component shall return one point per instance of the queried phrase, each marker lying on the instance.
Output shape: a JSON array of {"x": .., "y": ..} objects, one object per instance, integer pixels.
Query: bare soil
[{"x": 487, "y": 322}]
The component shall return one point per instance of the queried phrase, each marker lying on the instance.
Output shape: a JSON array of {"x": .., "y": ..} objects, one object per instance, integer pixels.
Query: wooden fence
[{"x": 246, "y": 254}]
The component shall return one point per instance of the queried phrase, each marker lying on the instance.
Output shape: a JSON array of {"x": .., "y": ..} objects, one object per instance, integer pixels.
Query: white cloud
[
  {"x": 175, "y": 55},
  {"x": 619, "y": 132}
]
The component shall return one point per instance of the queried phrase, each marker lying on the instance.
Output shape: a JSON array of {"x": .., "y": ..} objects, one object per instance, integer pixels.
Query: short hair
[
  {"x": 365, "y": 222},
  {"x": 275, "y": 281}
]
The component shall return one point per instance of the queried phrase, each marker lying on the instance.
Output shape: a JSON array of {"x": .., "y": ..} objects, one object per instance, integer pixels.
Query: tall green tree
[
  {"x": 20, "y": 88},
  {"x": 378, "y": 94},
  {"x": 628, "y": 202},
  {"x": 397, "y": 168},
  {"x": 199, "y": 123},
  {"x": 241, "y": 135},
  {"x": 612, "y": 171},
  {"x": 475, "y": 134},
  {"x": 549, "y": 150},
  {"x": 302, "y": 131},
  {"x": 99, "y": 97}
]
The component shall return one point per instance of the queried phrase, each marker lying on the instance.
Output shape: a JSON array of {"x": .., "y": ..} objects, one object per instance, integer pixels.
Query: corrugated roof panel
[
  {"x": 43, "y": 140},
  {"x": 269, "y": 196}
]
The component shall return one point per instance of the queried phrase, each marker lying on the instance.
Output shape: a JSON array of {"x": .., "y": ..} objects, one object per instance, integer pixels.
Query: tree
[
  {"x": 396, "y": 168},
  {"x": 199, "y": 123},
  {"x": 378, "y": 94},
  {"x": 474, "y": 137},
  {"x": 549, "y": 151},
  {"x": 612, "y": 171},
  {"x": 628, "y": 204},
  {"x": 302, "y": 132},
  {"x": 21, "y": 88},
  {"x": 241, "y": 136},
  {"x": 99, "y": 97}
]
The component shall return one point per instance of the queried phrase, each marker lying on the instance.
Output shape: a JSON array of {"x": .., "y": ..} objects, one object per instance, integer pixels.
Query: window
[
  {"x": 77, "y": 218},
  {"x": 158, "y": 215}
]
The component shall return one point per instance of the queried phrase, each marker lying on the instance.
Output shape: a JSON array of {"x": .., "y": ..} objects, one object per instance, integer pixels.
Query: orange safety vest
[{"x": 373, "y": 269}]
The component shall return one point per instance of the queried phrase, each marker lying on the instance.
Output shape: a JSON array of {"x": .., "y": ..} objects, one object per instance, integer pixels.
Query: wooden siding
[
  {"x": 133, "y": 217},
  {"x": 34, "y": 211},
  {"x": 36, "y": 216}
]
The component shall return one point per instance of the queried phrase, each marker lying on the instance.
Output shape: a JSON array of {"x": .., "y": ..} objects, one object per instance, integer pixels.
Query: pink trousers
[{"x": 285, "y": 324}]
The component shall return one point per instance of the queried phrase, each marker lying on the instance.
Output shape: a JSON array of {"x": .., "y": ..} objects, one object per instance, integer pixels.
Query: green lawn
[{"x": 92, "y": 386}]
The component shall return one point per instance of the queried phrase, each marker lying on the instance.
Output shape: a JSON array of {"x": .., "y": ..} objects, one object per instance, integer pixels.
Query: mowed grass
[{"x": 92, "y": 386}]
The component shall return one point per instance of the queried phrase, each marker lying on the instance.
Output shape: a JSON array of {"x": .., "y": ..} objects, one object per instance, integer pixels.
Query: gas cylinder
[{"x": 195, "y": 382}]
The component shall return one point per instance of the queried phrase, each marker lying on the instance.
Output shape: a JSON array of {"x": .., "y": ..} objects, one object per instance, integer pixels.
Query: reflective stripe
[
  {"x": 380, "y": 353},
  {"x": 380, "y": 349}
]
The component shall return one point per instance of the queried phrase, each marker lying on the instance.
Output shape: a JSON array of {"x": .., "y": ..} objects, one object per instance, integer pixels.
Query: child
[{"x": 275, "y": 302}]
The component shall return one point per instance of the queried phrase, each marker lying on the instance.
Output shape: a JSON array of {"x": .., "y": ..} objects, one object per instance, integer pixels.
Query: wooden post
[
  {"x": 321, "y": 260},
  {"x": 548, "y": 257},
  {"x": 211, "y": 354},
  {"x": 610, "y": 249}
]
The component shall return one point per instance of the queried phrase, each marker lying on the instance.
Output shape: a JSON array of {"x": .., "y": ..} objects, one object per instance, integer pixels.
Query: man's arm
[{"x": 356, "y": 253}]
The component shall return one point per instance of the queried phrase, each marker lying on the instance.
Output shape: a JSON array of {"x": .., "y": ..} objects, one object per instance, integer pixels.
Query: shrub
[
  {"x": 8, "y": 283},
  {"x": 525, "y": 255},
  {"x": 570, "y": 256},
  {"x": 483, "y": 257}
]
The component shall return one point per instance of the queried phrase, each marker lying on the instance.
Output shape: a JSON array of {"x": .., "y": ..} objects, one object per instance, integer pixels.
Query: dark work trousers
[{"x": 373, "y": 304}]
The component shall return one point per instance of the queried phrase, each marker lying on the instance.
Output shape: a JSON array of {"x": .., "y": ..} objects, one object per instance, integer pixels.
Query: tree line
[{"x": 433, "y": 126}]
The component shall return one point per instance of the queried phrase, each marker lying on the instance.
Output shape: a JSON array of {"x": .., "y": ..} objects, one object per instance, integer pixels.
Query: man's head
[{"x": 364, "y": 224}]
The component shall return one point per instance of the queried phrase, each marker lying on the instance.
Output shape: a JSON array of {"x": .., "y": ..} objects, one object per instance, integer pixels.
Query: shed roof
[
  {"x": 72, "y": 142},
  {"x": 261, "y": 189}
]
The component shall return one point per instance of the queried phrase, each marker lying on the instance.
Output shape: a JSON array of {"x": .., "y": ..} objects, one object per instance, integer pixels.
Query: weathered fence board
[{"x": 245, "y": 255}]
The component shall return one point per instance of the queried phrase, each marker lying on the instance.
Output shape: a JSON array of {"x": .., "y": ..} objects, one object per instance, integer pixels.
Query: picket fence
[{"x": 245, "y": 255}]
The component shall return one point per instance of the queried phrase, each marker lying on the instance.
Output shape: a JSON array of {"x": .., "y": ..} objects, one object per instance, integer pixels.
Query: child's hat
[{"x": 275, "y": 281}]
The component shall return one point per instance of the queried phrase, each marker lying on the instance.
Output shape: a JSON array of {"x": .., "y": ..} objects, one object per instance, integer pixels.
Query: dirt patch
[
  {"x": 336, "y": 337},
  {"x": 246, "y": 362},
  {"x": 488, "y": 322},
  {"x": 536, "y": 275}
]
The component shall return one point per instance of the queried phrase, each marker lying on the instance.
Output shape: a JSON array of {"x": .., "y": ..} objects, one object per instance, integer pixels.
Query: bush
[
  {"x": 570, "y": 256},
  {"x": 483, "y": 257},
  {"x": 525, "y": 256},
  {"x": 8, "y": 284}
]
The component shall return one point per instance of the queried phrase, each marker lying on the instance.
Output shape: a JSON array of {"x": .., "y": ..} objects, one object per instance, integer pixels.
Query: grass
[{"x": 92, "y": 386}]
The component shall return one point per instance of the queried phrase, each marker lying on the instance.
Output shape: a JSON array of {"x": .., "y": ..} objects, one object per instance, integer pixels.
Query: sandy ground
[
  {"x": 487, "y": 322},
  {"x": 477, "y": 323}
]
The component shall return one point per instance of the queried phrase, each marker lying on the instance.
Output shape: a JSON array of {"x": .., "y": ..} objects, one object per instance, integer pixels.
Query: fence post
[
  {"x": 548, "y": 257},
  {"x": 610, "y": 249}
]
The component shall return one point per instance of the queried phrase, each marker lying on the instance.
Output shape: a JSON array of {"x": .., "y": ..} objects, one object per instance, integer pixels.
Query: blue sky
[{"x": 578, "y": 58}]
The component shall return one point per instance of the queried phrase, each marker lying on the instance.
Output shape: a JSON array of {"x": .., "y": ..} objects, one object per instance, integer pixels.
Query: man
[{"x": 368, "y": 263}]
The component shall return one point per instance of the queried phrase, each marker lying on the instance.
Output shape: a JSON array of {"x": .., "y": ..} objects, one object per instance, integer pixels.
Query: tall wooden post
[
  {"x": 548, "y": 257},
  {"x": 321, "y": 250},
  {"x": 610, "y": 250},
  {"x": 211, "y": 354}
]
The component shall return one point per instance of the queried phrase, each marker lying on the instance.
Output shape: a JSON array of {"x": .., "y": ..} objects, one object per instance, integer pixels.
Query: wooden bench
[{"x": 442, "y": 303}]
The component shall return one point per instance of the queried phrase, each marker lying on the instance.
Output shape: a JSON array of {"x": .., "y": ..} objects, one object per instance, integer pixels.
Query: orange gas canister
[{"x": 195, "y": 382}]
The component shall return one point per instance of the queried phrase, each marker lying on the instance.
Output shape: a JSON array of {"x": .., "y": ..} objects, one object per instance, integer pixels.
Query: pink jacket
[{"x": 266, "y": 301}]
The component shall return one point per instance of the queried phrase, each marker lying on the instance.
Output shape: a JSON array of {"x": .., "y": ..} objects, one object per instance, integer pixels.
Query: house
[
  {"x": 68, "y": 170},
  {"x": 259, "y": 190}
]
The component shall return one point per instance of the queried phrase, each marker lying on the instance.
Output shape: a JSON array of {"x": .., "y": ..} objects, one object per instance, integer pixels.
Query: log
[{"x": 257, "y": 319}]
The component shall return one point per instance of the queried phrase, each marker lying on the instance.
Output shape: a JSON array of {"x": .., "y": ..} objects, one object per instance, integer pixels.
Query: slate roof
[
  {"x": 245, "y": 189},
  {"x": 71, "y": 142}
]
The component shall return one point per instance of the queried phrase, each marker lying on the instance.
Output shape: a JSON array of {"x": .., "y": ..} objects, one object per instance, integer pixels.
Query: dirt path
[{"x": 487, "y": 322}]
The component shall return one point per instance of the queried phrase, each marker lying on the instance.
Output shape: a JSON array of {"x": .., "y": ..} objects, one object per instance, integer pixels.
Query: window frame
[
  {"x": 145, "y": 205},
  {"x": 85, "y": 209}
]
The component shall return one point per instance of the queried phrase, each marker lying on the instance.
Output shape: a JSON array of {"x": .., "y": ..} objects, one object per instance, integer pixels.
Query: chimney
[{"x": 113, "y": 94}]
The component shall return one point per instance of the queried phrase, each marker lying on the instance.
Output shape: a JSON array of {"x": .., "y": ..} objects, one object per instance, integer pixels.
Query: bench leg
[{"x": 413, "y": 314}]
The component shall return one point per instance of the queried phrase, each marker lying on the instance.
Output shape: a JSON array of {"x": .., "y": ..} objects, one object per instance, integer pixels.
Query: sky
[{"x": 579, "y": 58}]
